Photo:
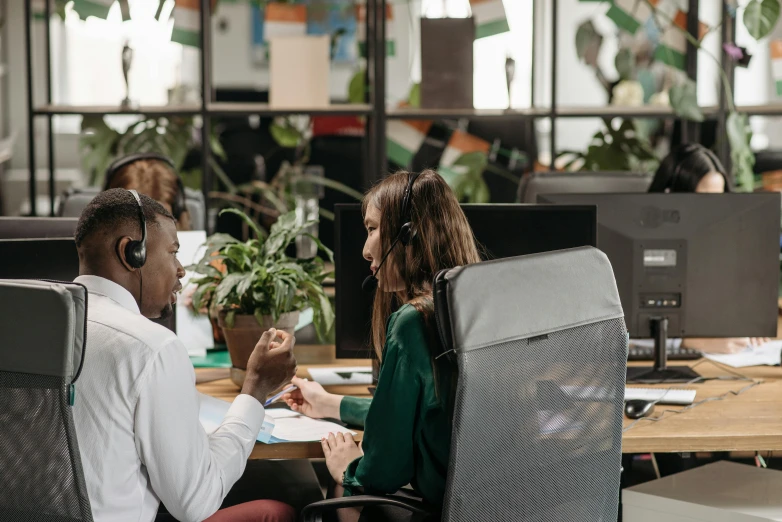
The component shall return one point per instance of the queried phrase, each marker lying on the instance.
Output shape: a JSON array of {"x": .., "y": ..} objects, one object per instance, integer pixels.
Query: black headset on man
[
  {"x": 405, "y": 235},
  {"x": 136, "y": 250}
]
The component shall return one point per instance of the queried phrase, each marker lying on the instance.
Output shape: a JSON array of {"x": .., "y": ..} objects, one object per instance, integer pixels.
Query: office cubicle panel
[
  {"x": 709, "y": 263},
  {"x": 505, "y": 230},
  {"x": 37, "y": 227}
]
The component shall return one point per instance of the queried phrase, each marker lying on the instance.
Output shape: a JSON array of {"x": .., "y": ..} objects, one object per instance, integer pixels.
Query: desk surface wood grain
[{"x": 751, "y": 421}]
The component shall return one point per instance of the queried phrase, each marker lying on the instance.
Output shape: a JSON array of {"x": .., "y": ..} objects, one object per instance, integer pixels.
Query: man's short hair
[{"x": 115, "y": 209}]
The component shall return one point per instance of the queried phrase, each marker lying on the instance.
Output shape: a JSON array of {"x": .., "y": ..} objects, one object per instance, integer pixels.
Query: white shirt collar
[{"x": 107, "y": 288}]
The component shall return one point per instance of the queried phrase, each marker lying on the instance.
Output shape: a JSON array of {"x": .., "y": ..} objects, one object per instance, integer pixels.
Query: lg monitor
[{"x": 689, "y": 265}]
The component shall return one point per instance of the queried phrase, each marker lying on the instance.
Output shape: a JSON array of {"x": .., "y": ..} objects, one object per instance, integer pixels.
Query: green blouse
[{"x": 407, "y": 425}]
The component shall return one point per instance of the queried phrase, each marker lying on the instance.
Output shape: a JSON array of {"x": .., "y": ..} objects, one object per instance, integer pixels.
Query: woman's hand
[
  {"x": 312, "y": 400},
  {"x": 340, "y": 451},
  {"x": 728, "y": 345}
]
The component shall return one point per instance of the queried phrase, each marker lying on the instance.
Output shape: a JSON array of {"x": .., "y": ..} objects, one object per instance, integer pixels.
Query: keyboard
[
  {"x": 646, "y": 353},
  {"x": 661, "y": 395}
]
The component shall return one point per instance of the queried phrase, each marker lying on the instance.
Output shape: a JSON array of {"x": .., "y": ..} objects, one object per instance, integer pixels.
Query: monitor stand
[{"x": 660, "y": 372}]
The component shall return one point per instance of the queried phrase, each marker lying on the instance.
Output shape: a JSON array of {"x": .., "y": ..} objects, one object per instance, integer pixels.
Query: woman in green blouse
[{"x": 407, "y": 424}]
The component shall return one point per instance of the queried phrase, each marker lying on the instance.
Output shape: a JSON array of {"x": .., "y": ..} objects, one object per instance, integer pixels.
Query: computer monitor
[
  {"x": 689, "y": 265},
  {"x": 35, "y": 227},
  {"x": 52, "y": 258},
  {"x": 502, "y": 230}
]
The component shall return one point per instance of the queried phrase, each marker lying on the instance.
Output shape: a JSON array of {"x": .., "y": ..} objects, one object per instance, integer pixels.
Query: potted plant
[{"x": 257, "y": 286}]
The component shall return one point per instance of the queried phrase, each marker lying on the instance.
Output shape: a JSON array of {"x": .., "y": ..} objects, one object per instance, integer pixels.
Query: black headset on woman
[{"x": 404, "y": 236}]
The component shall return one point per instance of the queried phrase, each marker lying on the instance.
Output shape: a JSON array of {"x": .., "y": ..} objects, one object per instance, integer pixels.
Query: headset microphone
[
  {"x": 405, "y": 235},
  {"x": 370, "y": 283}
]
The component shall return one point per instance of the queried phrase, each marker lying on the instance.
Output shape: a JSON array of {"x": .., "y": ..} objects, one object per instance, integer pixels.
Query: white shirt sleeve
[{"x": 189, "y": 471}]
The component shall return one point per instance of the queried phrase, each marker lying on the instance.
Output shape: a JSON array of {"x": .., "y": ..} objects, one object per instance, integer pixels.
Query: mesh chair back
[
  {"x": 540, "y": 183},
  {"x": 43, "y": 327},
  {"x": 541, "y": 348}
]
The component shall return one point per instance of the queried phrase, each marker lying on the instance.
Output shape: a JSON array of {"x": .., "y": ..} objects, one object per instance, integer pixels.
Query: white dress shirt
[{"x": 136, "y": 417}]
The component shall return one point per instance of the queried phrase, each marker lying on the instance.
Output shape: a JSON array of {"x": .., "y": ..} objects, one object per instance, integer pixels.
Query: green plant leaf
[
  {"x": 332, "y": 184},
  {"x": 742, "y": 157},
  {"x": 474, "y": 161},
  {"x": 760, "y": 17},
  {"x": 285, "y": 135},
  {"x": 684, "y": 100},
  {"x": 414, "y": 97},
  {"x": 252, "y": 224},
  {"x": 258, "y": 313},
  {"x": 588, "y": 43},
  {"x": 230, "y": 318},
  {"x": 323, "y": 248},
  {"x": 625, "y": 64},
  {"x": 227, "y": 286},
  {"x": 357, "y": 88}
]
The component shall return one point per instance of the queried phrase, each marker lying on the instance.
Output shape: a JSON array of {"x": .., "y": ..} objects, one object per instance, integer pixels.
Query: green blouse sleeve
[
  {"x": 388, "y": 462},
  {"x": 353, "y": 410}
]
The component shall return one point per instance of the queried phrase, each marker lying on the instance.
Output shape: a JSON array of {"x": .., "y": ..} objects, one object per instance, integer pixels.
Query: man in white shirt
[{"x": 136, "y": 409}]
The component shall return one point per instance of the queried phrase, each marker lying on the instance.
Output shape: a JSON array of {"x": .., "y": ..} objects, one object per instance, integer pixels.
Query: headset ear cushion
[{"x": 135, "y": 254}]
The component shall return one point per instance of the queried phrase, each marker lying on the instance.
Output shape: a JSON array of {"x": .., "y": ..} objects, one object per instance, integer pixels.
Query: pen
[{"x": 277, "y": 396}]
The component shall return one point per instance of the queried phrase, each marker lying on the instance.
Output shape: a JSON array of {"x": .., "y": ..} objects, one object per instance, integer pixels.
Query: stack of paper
[
  {"x": 285, "y": 425},
  {"x": 769, "y": 354}
]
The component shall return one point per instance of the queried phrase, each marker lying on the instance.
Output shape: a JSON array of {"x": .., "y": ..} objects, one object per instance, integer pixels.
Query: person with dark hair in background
[
  {"x": 137, "y": 410},
  {"x": 415, "y": 228},
  {"x": 154, "y": 175},
  {"x": 694, "y": 168},
  {"x": 691, "y": 168}
]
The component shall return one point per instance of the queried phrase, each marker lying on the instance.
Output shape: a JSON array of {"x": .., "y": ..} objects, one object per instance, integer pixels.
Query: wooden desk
[
  {"x": 227, "y": 390},
  {"x": 751, "y": 421}
]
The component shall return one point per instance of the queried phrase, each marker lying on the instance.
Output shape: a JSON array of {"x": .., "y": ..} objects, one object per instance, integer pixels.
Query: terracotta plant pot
[{"x": 242, "y": 338}]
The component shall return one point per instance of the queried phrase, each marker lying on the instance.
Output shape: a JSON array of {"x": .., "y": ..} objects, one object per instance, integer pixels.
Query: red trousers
[{"x": 256, "y": 511}]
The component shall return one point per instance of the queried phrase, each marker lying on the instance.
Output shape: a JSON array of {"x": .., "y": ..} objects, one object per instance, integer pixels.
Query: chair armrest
[{"x": 312, "y": 512}]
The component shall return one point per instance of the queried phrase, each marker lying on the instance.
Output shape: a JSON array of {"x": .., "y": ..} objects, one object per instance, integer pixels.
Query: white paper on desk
[
  {"x": 195, "y": 331},
  {"x": 289, "y": 426},
  {"x": 767, "y": 354},
  {"x": 342, "y": 375}
]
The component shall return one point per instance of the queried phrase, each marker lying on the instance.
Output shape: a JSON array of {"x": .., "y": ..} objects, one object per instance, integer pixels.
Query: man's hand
[
  {"x": 271, "y": 364},
  {"x": 340, "y": 451},
  {"x": 312, "y": 400}
]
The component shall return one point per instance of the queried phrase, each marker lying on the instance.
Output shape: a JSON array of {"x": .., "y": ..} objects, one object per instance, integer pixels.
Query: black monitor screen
[
  {"x": 706, "y": 262},
  {"x": 52, "y": 258},
  {"x": 501, "y": 230}
]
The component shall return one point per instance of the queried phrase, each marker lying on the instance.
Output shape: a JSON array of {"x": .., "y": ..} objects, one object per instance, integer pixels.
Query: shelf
[
  {"x": 761, "y": 110},
  {"x": 445, "y": 114},
  {"x": 99, "y": 110},
  {"x": 614, "y": 111},
  {"x": 263, "y": 109}
]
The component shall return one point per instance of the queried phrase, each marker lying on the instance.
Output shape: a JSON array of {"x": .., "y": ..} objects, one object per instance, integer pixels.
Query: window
[
  {"x": 87, "y": 70},
  {"x": 490, "y": 87}
]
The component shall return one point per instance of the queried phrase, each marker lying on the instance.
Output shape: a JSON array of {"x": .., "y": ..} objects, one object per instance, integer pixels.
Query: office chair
[
  {"x": 75, "y": 200},
  {"x": 540, "y": 345},
  {"x": 43, "y": 327},
  {"x": 537, "y": 183}
]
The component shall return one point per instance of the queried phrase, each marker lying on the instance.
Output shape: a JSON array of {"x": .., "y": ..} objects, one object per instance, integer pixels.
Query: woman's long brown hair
[
  {"x": 442, "y": 239},
  {"x": 155, "y": 179}
]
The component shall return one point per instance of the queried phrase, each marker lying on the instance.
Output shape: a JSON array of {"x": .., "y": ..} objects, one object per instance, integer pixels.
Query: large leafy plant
[
  {"x": 257, "y": 278},
  {"x": 633, "y": 65}
]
